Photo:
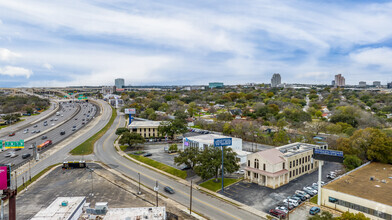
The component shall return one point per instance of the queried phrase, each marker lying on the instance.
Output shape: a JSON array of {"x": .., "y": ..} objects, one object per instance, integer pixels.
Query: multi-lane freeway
[{"x": 70, "y": 118}]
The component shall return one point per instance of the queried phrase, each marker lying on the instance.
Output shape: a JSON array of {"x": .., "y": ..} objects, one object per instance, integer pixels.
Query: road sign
[
  {"x": 130, "y": 111},
  {"x": 328, "y": 155},
  {"x": 222, "y": 142}
]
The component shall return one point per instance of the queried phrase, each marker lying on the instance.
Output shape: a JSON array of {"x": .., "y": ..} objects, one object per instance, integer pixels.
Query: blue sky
[{"x": 86, "y": 42}]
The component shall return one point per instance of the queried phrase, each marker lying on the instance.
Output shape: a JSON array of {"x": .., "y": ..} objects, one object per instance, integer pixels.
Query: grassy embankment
[
  {"x": 215, "y": 186},
  {"x": 168, "y": 169},
  {"x": 87, "y": 147}
]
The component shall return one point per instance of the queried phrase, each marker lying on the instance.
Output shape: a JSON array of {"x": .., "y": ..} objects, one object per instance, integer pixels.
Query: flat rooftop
[
  {"x": 296, "y": 148},
  {"x": 358, "y": 183},
  {"x": 144, "y": 124},
  {"x": 208, "y": 138},
  {"x": 155, "y": 213},
  {"x": 56, "y": 211}
]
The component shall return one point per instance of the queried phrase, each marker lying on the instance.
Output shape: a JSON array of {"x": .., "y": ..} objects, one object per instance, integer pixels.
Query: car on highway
[
  {"x": 73, "y": 129},
  {"x": 314, "y": 210},
  {"x": 24, "y": 156},
  {"x": 74, "y": 126},
  {"x": 9, "y": 154},
  {"x": 31, "y": 146},
  {"x": 52, "y": 124},
  {"x": 56, "y": 119},
  {"x": 35, "y": 126},
  {"x": 38, "y": 131},
  {"x": 25, "y": 132},
  {"x": 33, "y": 131},
  {"x": 62, "y": 132},
  {"x": 76, "y": 118},
  {"x": 11, "y": 134},
  {"x": 13, "y": 155},
  {"x": 169, "y": 190},
  {"x": 18, "y": 149},
  {"x": 147, "y": 154},
  {"x": 44, "y": 137}
]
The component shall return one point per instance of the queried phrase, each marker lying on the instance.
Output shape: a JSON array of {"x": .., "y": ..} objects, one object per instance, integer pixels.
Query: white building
[
  {"x": 147, "y": 129},
  {"x": 276, "y": 80},
  {"x": 67, "y": 208},
  {"x": 203, "y": 141},
  {"x": 153, "y": 213}
]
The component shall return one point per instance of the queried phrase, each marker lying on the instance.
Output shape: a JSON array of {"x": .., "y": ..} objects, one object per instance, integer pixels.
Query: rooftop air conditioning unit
[{"x": 371, "y": 178}]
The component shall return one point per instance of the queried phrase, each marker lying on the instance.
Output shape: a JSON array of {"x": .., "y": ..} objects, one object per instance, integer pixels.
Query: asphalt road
[
  {"x": 53, "y": 135},
  {"x": 202, "y": 203}
]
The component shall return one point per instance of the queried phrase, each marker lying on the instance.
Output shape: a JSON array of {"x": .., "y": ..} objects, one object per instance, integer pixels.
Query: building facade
[
  {"x": 340, "y": 81},
  {"x": 119, "y": 83},
  {"x": 278, "y": 166},
  {"x": 377, "y": 84},
  {"x": 362, "y": 84},
  {"x": 367, "y": 189},
  {"x": 214, "y": 85},
  {"x": 276, "y": 80},
  {"x": 147, "y": 129},
  {"x": 389, "y": 85},
  {"x": 108, "y": 89}
]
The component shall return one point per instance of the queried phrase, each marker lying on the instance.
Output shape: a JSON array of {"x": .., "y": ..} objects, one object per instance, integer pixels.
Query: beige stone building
[
  {"x": 278, "y": 166},
  {"x": 146, "y": 129},
  {"x": 367, "y": 189}
]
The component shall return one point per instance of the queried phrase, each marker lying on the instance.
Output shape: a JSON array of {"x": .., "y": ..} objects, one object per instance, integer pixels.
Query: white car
[
  {"x": 291, "y": 202},
  {"x": 52, "y": 124},
  {"x": 311, "y": 189},
  {"x": 242, "y": 172}
]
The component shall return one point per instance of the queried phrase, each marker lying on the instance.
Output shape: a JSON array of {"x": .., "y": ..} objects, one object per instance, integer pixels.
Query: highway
[
  {"x": 67, "y": 110},
  {"x": 203, "y": 203}
]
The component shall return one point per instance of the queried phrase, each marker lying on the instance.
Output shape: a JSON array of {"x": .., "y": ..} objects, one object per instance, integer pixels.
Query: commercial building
[
  {"x": 362, "y": 84},
  {"x": 153, "y": 213},
  {"x": 367, "y": 189},
  {"x": 389, "y": 85},
  {"x": 203, "y": 141},
  {"x": 213, "y": 85},
  {"x": 376, "y": 83},
  {"x": 119, "y": 83},
  {"x": 276, "y": 80},
  {"x": 108, "y": 89},
  {"x": 67, "y": 208},
  {"x": 333, "y": 83},
  {"x": 146, "y": 129},
  {"x": 278, "y": 166},
  {"x": 340, "y": 81}
]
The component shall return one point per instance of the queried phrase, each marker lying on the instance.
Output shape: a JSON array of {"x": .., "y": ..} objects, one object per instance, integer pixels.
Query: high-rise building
[
  {"x": 376, "y": 83},
  {"x": 333, "y": 83},
  {"x": 389, "y": 85},
  {"x": 362, "y": 84},
  {"x": 340, "y": 81},
  {"x": 119, "y": 83},
  {"x": 276, "y": 80}
]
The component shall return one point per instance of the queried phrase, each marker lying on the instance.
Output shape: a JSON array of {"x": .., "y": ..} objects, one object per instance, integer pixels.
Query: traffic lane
[
  {"x": 53, "y": 135},
  {"x": 215, "y": 208}
]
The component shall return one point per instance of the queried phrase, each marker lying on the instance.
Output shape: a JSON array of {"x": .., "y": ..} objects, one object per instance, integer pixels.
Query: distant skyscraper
[
  {"x": 333, "y": 83},
  {"x": 377, "y": 84},
  {"x": 276, "y": 80},
  {"x": 362, "y": 84},
  {"x": 389, "y": 85},
  {"x": 119, "y": 83},
  {"x": 340, "y": 81}
]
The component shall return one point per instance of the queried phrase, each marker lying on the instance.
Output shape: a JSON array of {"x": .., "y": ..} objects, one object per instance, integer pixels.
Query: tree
[
  {"x": 225, "y": 116},
  {"x": 173, "y": 148},
  {"x": 280, "y": 138},
  {"x": 210, "y": 162},
  {"x": 119, "y": 131},
  {"x": 171, "y": 128},
  {"x": 351, "y": 216},
  {"x": 131, "y": 139},
  {"x": 189, "y": 157},
  {"x": 351, "y": 162},
  {"x": 323, "y": 216}
]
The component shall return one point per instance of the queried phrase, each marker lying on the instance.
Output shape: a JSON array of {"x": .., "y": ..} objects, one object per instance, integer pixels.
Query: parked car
[
  {"x": 168, "y": 189},
  {"x": 147, "y": 154},
  {"x": 282, "y": 208},
  {"x": 277, "y": 213},
  {"x": 33, "y": 132},
  {"x": 24, "y": 156},
  {"x": 241, "y": 172},
  {"x": 302, "y": 197},
  {"x": 185, "y": 167},
  {"x": 314, "y": 191},
  {"x": 314, "y": 210},
  {"x": 302, "y": 193},
  {"x": 333, "y": 200},
  {"x": 297, "y": 199},
  {"x": 291, "y": 201},
  {"x": 310, "y": 192}
]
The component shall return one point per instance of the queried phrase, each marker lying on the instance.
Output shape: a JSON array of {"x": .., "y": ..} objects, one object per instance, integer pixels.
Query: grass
[
  {"x": 20, "y": 120},
  {"x": 34, "y": 178},
  {"x": 213, "y": 186},
  {"x": 123, "y": 147},
  {"x": 168, "y": 169},
  {"x": 87, "y": 147},
  {"x": 314, "y": 199}
]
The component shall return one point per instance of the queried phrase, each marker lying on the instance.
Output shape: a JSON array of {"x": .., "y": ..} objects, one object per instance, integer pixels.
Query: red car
[
  {"x": 11, "y": 134},
  {"x": 277, "y": 213}
]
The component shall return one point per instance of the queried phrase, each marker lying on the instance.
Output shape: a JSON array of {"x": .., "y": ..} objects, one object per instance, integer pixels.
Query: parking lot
[{"x": 264, "y": 198}]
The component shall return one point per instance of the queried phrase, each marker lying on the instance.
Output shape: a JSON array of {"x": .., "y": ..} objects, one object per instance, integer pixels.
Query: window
[
  {"x": 255, "y": 175},
  {"x": 303, "y": 159},
  {"x": 248, "y": 163},
  {"x": 309, "y": 158},
  {"x": 284, "y": 165},
  {"x": 302, "y": 169},
  {"x": 312, "y": 165},
  {"x": 290, "y": 174},
  {"x": 290, "y": 164},
  {"x": 248, "y": 173},
  {"x": 264, "y": 166},
  {"x": 299, "y": 161},
  {"x": 296, "y": 162},
  {"x": 308, "y": 166},
  {"x": 256, "y": 163},
  {"x": 296, "y": 171}
]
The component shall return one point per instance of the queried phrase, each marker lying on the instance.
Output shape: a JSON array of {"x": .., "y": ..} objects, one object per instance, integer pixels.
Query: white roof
[
  {"x": 155, "y": 213},
  {"x": 56, "y": 211},
  {"x": 144, "y": 124},
  {"x": 208, "y": 138}
]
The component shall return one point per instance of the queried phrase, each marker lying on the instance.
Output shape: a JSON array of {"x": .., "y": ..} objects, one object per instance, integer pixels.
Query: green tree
[
  {"x": 351, "y": 162},
  {"x": 171, "y": 128},
  {"x": 225, "y": 116},
  {"x": 351, "y": 216},
  {"x": 131, "y": 139},
  {"x": 119, "y": 131},
  {"x": 280, "y": 138},
  {"x": 173, "y": 148},
  {"x": 189, "y": 157},
  {"x": 323, "y": 216}
]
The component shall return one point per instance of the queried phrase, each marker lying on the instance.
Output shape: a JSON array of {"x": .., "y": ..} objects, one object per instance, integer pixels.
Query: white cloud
[
  {"x": 7, "y": 55},
  {"x": 380, "y": 57},
  {"x": 15, "y": 71},
  {"x": 47, "y": 66}
]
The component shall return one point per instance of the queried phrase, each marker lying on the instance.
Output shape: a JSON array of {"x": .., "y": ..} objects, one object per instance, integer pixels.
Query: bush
[{"x": 173, "y": 148}]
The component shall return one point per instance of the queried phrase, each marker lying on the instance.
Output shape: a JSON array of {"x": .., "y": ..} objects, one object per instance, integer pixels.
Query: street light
[{"x": 139, "y": 192}]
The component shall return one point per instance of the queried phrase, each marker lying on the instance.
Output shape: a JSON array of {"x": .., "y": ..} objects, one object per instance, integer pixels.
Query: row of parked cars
[
  {"x": 295, "y": 200},
  {"x": 199, "y": 131}
]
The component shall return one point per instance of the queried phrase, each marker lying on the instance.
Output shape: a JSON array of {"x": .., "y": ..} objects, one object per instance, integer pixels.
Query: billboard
[
  {"x": 328, "y": 155},
  {"x": 4, "y": 177},
  {"x": 222, "y": 142},
  {"x": 130, "y": 111}
]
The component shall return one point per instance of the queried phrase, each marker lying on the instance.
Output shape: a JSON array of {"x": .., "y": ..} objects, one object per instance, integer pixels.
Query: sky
[{"x": 47, "y": 43}]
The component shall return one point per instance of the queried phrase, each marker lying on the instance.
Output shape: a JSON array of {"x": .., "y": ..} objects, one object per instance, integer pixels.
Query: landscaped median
[
  {"x": 87, "y": 147},
  {"x": 216, "y": 186},
  {"x": 160, "y": 166}
]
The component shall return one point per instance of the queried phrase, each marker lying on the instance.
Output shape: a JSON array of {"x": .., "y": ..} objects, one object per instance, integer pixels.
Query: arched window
[{"x": 257, "y": 163}]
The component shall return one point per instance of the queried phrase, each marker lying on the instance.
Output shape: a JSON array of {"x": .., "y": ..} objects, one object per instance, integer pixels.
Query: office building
[
  {"x": 367, "y": 189},
  {"x": 108, "y": 89},
  {"x": 333, "y": 83},
  {"x": 62, "y": 208},
  {"x": 340, "y": 81},
  {"x": 214, "y": 85},
  {"x": 362, "y": 84},
  {"x": 389, "y": 85},
  {"x": 278, "y": 166},
  {"x": 147, "y": 129},
  {"x": 377, "y": 84},
  {"x": 276, "y": 80},
  {"x": 119, "y": 83}
]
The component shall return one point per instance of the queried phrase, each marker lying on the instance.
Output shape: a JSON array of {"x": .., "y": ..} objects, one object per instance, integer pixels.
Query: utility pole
[
  {"x": 190, "y": 202},
  {"x": 156, "y": 188},
  {"x": 29, "y": 170},
  {"x": 139, "y": 185},
  {"x": 222, "y": 171}
]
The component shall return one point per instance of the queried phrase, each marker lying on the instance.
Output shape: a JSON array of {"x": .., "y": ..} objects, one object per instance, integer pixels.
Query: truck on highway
[
  {"x": 45, "y": 144},
  {"x": 57, "y": 113}
]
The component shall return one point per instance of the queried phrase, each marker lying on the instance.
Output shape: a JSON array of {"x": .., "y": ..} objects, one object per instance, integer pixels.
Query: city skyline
[{"x": 162, "y": 43}]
